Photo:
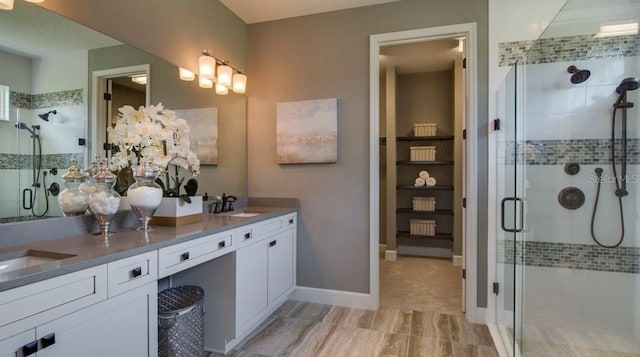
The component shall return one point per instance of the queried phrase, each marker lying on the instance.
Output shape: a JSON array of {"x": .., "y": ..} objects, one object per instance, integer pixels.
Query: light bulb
[
  {"x": 207, "y": 66},
  {"x": 239, "y": 83},
  {"x": 204, "y": 82},
  {"x": 220, "y": 89},
  {"x": 224, "y": 75}
]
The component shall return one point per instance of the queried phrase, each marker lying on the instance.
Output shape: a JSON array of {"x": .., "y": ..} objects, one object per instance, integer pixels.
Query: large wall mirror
[{"x": 50, "y": 109}]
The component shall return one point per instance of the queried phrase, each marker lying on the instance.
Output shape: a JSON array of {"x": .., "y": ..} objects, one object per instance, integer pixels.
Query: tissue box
[
  {"x": 422, "y": 227},
  {"x": 423, "y": 153},
  {"x": 424, "y": 203},
  {"x": 425, "y": 129}
]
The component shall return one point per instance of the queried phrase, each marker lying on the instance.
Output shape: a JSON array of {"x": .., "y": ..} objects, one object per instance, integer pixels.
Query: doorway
[
  {"x": 111, "y": 90},
  {"x": 395, "y": 143}
]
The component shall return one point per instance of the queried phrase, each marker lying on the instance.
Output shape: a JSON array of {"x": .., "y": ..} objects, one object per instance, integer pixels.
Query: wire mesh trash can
[{"x": 181, "y": 322}]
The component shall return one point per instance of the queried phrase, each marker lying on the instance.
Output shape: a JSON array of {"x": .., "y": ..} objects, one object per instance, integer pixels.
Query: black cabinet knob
[
  {"x": 273, "y": 243},
  {"x": 290, "y": 220},
  {"x": 247, "y": 235},
  {"x": 30, "y": 348},
  {"x": 136, "y": 272},
  {"x": 222, "y": 244},
  {"x": 184, "y": 256},
  {"x": 48, "y": 340}
]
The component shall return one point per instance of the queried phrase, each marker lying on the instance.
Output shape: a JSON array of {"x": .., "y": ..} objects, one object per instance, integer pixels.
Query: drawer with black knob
[{"x": 129, "y": 273}]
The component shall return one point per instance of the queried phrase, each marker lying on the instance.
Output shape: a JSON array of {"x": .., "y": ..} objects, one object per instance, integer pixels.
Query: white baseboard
[
  {"x": 457, "y": 260},
  {"x": 498, "y": 340},
  {"x": 333, "y": 297},
  {"x": 391, "y": 255}
]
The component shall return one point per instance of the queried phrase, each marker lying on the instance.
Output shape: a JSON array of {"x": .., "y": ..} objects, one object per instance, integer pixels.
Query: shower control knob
[
  {"x": 572, "y": 168},
  {"x": 571, "y": 198}
]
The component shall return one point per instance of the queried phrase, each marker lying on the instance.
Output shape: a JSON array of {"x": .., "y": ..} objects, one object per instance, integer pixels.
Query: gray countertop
[{"x": 92, "y": 250}]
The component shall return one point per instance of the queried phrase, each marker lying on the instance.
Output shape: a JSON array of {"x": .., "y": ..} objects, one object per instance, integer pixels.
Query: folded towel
[
  {"x": 424, "y": 174},
  {"x": 420, "y": 182},
  {"x": 431, "y": 181}
]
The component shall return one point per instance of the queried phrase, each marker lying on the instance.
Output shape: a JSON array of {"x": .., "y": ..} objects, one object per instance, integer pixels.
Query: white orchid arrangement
[{"x": 158, "y": 134}]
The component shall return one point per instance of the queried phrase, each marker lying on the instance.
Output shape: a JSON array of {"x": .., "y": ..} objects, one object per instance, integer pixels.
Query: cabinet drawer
[
  {"x": 274, "y": 225},
  {"x": 54, "y": 296},
  {"x": 188, "y": 254},
  {"x": 245, "y": 236},
  {"x": 129, "y": 273}
]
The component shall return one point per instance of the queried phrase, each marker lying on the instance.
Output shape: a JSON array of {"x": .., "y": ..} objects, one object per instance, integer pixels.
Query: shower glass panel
[
  {"x": 506, "y": 194},
  {"x": 576, "y": 296},
  {"x": 34, "y": 153}
]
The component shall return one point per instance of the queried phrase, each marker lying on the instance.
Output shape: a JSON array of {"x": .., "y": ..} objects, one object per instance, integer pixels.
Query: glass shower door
[{"x": 511, "y": 205}]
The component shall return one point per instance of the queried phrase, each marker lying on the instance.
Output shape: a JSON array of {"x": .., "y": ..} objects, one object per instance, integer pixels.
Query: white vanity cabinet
[
  {"x": 242, "y": 289},
  {"x": 74, "y": 314}
]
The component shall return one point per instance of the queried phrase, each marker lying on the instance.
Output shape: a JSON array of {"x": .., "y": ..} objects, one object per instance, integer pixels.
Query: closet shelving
[{"x": 442, "y": 169}]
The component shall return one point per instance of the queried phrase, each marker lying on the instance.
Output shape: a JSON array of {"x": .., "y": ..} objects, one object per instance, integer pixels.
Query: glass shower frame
[{"x": 574, "y": 302}]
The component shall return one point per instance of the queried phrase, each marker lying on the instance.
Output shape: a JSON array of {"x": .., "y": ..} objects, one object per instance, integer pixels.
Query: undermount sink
[
  {"x": 245, "y": 214},
  {"x": 28, "y": 259}
]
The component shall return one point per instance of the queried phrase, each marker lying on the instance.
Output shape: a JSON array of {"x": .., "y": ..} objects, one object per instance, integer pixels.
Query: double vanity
[{"x": 85, "y": 295}]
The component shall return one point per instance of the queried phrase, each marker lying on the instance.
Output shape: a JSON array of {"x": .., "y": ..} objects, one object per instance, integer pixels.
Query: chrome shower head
[
  {"x": 578, "y": 75},
  {"x": 628, "y": 84},
  {"x": 45, "y": 116}
]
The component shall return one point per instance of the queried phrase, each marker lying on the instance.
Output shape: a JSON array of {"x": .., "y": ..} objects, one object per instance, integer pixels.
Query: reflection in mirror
[{"x": 48, "y": 65}]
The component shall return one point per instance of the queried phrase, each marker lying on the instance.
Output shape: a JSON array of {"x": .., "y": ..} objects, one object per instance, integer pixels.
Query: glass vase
[
  {"x": 73, "y": 201},
  {"x": 104, "y": 201},
  {"x": 145, "y": 195}
]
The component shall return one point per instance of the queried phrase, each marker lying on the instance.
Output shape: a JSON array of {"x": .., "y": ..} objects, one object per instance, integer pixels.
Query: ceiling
[
  {"x": 253, "y": 11},
  {"x": 21, "y": 33},
  {"x": 418, "y": 57}
]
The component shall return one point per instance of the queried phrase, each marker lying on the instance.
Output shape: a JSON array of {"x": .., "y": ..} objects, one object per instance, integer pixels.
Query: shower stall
[{"x": 568, "y": 186}]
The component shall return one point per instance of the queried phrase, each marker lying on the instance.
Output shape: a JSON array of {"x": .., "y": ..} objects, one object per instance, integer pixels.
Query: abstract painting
[
  {"x": 203, "y": 123},
  {"x": 307, "y": 131}
]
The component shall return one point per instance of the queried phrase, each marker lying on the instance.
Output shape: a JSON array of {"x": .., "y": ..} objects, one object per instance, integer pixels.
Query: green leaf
[{"x": 186, "y": 198}]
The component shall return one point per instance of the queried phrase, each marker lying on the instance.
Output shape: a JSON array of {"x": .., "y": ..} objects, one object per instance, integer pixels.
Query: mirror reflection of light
[{"x": 4, "y": 266}]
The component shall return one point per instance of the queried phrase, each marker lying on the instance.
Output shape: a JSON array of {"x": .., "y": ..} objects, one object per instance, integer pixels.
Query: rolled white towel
[
  {"x": 420, "y": 182},
  {"x": 424, "y": 174},
  {"x": 431, "y": 181}
]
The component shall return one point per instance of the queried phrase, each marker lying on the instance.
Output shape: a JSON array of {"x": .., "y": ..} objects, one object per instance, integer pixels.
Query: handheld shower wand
[{"x": 627, "y": 84}]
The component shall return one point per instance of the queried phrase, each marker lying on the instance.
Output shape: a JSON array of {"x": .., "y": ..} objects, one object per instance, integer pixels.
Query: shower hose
[{"x": 617, "y": 181}]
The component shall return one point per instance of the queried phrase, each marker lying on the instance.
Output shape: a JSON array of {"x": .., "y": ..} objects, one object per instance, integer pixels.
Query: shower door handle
[
  {"x": 27, "y": 204},
  {"x": 516, "y": 200}
]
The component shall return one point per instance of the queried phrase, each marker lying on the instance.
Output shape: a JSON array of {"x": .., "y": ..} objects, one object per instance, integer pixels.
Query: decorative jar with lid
[
  {"x": 145, "y": 195},
  {"x": 104, "y": 201},
  {"x": 73, "y": 200}
]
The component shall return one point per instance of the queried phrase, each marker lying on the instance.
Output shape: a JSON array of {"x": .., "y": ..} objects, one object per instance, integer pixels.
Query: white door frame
[
  {"x": 473, "y": 313},
  {"x": 96, "y": 96}
]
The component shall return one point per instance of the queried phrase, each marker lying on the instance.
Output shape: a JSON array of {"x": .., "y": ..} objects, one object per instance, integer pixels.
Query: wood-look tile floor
[{"x": 415, "y": 329}]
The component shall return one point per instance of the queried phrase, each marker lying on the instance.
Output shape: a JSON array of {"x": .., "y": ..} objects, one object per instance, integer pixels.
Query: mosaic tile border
[
  {"x": 23, "y": 162},
  {"x": 570, "y": 256},
  {"x": 569, "y": 48},
  {"x": 47, "y": 100},
  {"x": 560, "y": 152}
]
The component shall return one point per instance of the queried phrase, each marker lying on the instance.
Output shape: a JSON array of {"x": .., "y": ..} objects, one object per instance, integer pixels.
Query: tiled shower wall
[
  {"x": 569, "y": 281},
  {"x": 59, "y": 138}
]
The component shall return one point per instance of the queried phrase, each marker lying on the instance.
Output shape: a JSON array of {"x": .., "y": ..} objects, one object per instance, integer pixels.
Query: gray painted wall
[
  {"x": 325, "y": 56},
  {"x": 317, "y": 56},
  {"x": 16, "y": 72}
]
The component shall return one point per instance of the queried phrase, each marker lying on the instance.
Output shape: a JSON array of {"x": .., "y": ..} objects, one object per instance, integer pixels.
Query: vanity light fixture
[
  {"x": 214, "y": 71},
  {"x": 187, "y": 75},
  {"x": 204, "y": 82},
  {"x": 36, "y": 1},
  {"x": 222, "y": 90},
  {"x": 623, "y": 29}
]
